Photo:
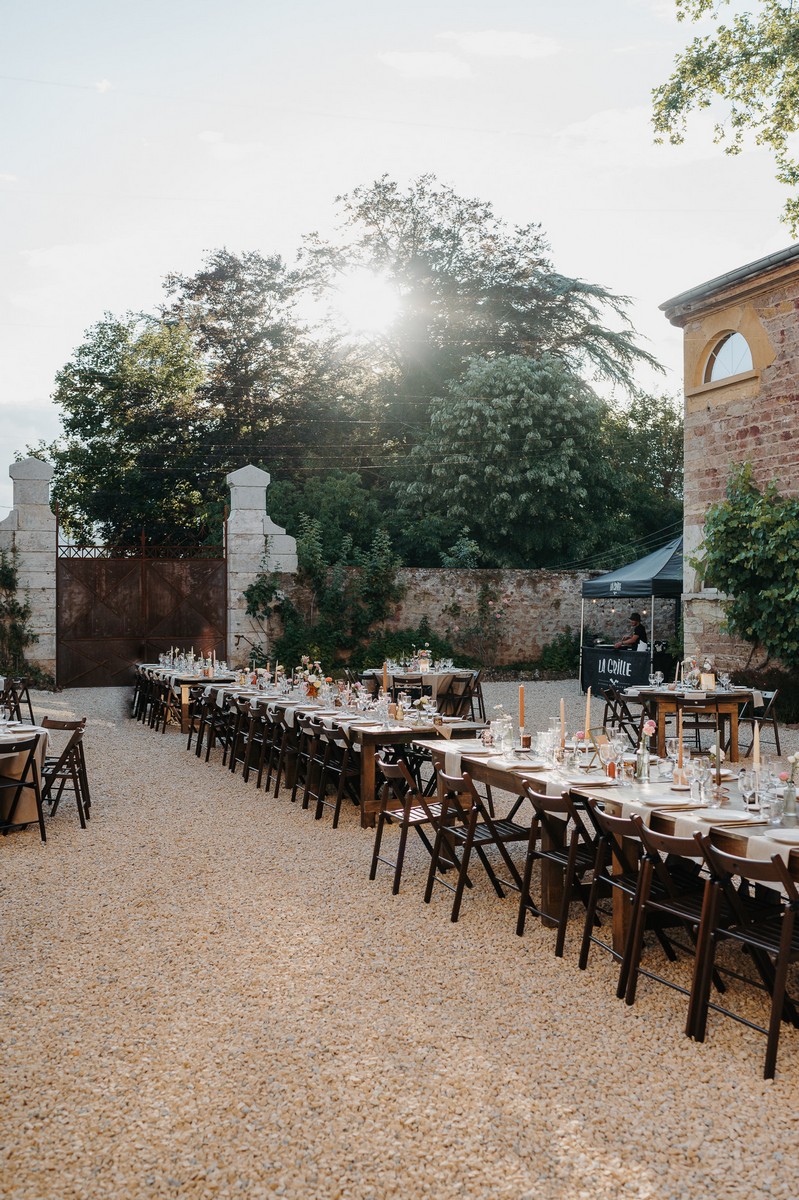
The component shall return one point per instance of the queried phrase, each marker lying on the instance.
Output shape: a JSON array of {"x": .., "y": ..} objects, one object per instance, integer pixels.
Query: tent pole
[
  {"x": 652, "y": 637},
  {"x": 582, "y": 624}
]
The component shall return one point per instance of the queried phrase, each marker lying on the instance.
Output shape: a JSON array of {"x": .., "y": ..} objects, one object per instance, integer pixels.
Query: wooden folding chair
[
  {"x": 466, "y": 824},
  {"x": 67, "y": 770},
  {"x": 764, "y": 929}
]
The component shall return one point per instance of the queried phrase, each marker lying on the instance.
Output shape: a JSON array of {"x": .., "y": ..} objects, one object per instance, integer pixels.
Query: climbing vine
[{"x": 751, "y": 553}]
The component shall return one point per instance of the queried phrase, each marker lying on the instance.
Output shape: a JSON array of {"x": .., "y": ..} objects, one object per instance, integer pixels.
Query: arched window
[{"x": 730, "y": 356}]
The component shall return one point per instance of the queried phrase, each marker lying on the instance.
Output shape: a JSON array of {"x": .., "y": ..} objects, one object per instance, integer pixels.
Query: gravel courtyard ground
[{"x": 203, "y": 996}]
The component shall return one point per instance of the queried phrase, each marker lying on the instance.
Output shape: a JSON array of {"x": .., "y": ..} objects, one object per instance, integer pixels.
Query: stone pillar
[
  {"x": 254, "y": 544},
  {"x": 30, "y": 529}
]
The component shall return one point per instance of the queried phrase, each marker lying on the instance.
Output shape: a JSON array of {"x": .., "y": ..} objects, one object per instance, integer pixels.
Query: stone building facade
[{"x": 739, "y": 406}]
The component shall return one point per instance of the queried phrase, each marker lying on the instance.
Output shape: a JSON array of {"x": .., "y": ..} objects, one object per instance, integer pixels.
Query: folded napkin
[
  {"x": 509, "y": 763},
  {"x": 452, "y": 761},
  {"x": 757, "y": 699}
]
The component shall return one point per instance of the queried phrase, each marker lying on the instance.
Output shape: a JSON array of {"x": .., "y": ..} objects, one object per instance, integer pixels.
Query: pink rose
[{"x": 784, "y": 776}]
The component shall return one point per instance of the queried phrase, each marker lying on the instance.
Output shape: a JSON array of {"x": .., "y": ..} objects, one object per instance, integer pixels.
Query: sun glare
[{"x": 365, "y": 303}]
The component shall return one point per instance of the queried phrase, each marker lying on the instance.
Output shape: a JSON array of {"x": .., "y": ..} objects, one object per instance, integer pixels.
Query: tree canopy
[
  {"x": 481, "y": 384},
  {"x": 750, "y": 67},
  {"x": 467, "y": 286}
]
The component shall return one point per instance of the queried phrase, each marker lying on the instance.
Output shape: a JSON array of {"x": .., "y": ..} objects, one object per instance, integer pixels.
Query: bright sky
[{"x": 138, "y": 136}]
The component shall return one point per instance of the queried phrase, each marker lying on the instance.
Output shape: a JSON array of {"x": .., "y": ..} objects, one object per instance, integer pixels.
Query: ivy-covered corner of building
[{"x": 16, "y": 634}]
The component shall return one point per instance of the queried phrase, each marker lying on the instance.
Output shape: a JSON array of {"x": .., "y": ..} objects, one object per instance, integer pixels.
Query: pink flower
[
  {"x": 649, "y": 728},
  {"x": 784, "y": 776}
]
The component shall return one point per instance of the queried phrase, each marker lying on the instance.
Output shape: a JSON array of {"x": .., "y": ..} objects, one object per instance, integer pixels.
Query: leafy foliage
[
  {"x": 749, "y": 64},
  {"x": 15, "y": 632},
  {"x": 347, "y": 597},
  {"x": 477, "y": 630},
  {"x": 240, "y": 367},
  {"x": 751, "y": 553},
  {"x": 400, "y": 643},
  {"x": 561, "y": 655},
  {"x": 129, "y": 414},
  {"x": 516, "y": 452}
]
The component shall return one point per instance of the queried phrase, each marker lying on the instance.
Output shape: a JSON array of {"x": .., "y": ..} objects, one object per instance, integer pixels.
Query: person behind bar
[{"x": 636, "y": 638}]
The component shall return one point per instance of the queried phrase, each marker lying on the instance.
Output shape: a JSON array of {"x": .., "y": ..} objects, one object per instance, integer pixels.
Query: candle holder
[{"x": 525, "y": 739}]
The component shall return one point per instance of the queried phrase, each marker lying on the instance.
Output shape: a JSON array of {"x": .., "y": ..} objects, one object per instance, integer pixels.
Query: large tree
[
  {"x": 467, "y": 285},
  {"x": 132, "y": 427},
  {"x": 747, "y": 71},
  {"x": 516, "y": 455},
  {"x": 271, "y": 385}
]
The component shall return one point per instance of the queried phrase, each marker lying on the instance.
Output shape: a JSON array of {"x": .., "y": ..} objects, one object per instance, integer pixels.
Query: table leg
[
  {"x": 184, "y": 707},
  {"x": 734, "y": 734},
  {"x": 551, "y": 879},
  {"x": 661, "y": 731},
  {"x": 368, "y": 777}
]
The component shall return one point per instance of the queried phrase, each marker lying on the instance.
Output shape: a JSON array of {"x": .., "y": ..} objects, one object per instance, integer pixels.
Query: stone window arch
[{"x": 731, "y": 355}]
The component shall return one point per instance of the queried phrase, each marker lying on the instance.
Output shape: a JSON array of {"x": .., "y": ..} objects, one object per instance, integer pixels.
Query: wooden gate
[{"x": 118, "y": 606}]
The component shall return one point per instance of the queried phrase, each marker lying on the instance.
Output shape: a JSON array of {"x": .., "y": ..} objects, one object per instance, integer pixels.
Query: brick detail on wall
[{"x": 753, "y": 417}]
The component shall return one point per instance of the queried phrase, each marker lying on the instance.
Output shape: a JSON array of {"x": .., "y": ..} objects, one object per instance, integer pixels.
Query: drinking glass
[
  {"x": 773, "y": 807},
  {"x": 724, "y": 681},
  {"x": 652, "y": 679},
  {"x": 747, "y": 786},
  {"x": 658, "y": 678}
]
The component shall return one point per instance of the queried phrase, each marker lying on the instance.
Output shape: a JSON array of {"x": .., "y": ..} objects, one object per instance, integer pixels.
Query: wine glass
[
  {"x": 605, "y": 754},
  {"x": 658, "y": 678},
  {"x": 747, "y": 786}
]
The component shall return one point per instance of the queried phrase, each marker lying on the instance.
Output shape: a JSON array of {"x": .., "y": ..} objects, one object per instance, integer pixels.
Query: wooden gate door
[{"x": 113, "y": 612}]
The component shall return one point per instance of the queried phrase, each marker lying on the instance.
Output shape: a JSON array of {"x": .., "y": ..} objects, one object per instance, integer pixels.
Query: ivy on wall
[
  {"x": 751, "y": 553},
  {"x": 15, "y": 632}
]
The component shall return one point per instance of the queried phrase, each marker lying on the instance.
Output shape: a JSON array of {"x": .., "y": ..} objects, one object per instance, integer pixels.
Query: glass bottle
[{"x": 642, "y": 762}]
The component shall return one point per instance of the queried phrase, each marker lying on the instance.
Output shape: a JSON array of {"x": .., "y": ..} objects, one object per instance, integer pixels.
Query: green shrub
[{"x": 561, "y": 655}]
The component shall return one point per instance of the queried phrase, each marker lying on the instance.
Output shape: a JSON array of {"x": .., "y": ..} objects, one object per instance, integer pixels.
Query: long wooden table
[
  {"x": 615, "y": 799},
  {"x": 371, "y": 736},
  {"x": 666, "y": 702}
]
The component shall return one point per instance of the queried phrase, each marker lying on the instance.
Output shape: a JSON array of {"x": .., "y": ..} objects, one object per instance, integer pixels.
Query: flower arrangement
[
  {"x": 310, "y": 672},
  {"x": 790, "y": 776},
  {"x": 712, "y": 753},
  {"x": 649, "y": 728}
]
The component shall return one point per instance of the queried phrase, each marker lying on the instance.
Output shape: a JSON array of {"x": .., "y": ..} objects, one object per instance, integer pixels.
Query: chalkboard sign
[{"x": 603, "y": 666}]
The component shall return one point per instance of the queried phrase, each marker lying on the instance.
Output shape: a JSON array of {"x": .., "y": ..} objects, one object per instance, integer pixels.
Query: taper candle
[
  {"x": 679, "y": 739},
  {"x": 521, "y": 706},
  {"x": 718, "y": 758},
  {"x": 756, "y": 746},
  {"x": 587, "y": 714},
  {"x": 562, "y": 722},
  {"x": 385, "y": 676}
]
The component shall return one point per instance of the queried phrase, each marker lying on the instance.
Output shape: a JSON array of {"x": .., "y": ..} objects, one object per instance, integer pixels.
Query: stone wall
[
  {"x": 30, "y": 530},
  {"x": 536, "y": 606},
  {"x": 752, "y": 416}
]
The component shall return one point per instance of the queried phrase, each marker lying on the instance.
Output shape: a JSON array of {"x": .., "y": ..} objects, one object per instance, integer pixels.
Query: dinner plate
[
  {"x": 714, "y": 815},
  {"x": 788, "y": 837},
  {"x": 680, "y": 787}
]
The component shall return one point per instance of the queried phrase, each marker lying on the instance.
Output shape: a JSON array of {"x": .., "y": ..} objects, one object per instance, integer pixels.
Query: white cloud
[
  {"x": 427, "y": 64},
  {"x": 499, "y": 43},
  {"x": 103, "y": 85},
  {"x": 6, "y": 177}
]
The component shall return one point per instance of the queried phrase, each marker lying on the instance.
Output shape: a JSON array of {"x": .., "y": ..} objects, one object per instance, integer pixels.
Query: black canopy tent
[{"x": 657, "y": 574}]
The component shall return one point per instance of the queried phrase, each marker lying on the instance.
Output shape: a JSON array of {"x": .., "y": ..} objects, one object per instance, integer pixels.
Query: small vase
[
  {"x": 642, "y": 764},
  {"x": 789, "y": 797}
]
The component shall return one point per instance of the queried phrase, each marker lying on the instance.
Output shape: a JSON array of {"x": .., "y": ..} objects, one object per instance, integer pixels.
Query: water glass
[{"x": 773, "y": 807}]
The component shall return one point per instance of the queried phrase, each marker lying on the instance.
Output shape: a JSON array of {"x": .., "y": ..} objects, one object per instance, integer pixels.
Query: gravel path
[{"x": 204, "y": 996}]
